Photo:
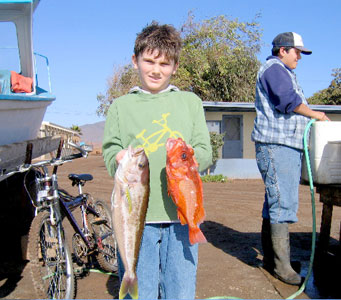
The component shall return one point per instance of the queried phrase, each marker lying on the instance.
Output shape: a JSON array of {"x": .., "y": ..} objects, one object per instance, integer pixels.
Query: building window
[{"x": 213, "y": 126}]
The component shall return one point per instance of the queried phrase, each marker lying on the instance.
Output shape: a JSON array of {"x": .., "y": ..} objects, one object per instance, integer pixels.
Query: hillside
[{"x": 93, "y": 133}]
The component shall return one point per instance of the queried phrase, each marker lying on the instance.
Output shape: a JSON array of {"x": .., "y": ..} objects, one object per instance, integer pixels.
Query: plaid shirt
[{"x": 272, "y": 126}]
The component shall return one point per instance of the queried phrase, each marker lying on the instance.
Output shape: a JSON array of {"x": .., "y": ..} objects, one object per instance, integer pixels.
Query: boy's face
[
  {"x": 291, "y": 57},
  {"x": 155, "y": 72}
]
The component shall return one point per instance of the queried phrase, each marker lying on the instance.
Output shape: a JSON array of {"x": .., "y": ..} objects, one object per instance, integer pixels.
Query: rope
[{"x": 102, "y": 272}]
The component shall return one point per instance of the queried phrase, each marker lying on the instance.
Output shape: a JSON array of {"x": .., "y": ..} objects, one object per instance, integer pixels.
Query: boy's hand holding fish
[{"x": 120, "y": 155}]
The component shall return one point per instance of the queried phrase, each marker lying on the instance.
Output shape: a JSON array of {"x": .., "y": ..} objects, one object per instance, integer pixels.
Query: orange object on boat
[
  {"x": 20, "y": 83},
  {"x": 185, "y": 187}
]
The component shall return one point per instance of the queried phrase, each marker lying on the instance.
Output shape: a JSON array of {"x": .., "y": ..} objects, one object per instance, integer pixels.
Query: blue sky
[{"x": 85, "y": 39}]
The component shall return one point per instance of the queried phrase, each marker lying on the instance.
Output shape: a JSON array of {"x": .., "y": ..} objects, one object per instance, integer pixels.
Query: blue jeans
[
  {"x": 167, "y": 263},
  {"x": 280, "y": 167}
]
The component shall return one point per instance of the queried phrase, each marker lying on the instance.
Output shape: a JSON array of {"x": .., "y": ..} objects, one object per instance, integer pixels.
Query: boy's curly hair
[{"x": 163, "y": 38}]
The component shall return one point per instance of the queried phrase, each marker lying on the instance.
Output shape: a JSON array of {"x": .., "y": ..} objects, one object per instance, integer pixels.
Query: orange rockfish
[
  {"x": 185, "y": 187},
  {"x": 129, "y": 207}
]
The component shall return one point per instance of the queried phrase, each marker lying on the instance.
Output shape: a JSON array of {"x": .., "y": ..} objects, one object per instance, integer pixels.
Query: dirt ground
[{"x": 229, "y": 264}]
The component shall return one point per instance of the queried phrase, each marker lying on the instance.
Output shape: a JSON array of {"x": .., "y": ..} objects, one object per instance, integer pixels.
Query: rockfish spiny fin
[{"x": 129, "y": 286}]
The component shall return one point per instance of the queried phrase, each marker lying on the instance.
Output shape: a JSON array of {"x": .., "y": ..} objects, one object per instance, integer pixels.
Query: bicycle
[{"x": 50, "y": 260}]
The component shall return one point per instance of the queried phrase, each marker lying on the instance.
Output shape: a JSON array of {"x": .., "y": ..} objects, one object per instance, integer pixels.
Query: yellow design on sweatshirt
[{"x": 154, "y": 141}]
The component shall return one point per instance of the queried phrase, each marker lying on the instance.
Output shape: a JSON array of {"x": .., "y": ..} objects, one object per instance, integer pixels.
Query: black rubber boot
[
  {"x": 268, "y": 252},
  {"x": 281, "y": 247}
]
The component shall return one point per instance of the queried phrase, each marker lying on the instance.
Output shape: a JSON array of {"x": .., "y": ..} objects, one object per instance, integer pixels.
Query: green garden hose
[
  {"x": 311, "y": 185},
  {"x": 313, "y": 241}
]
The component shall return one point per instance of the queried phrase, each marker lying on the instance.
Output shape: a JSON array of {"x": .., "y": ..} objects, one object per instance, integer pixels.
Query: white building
[{"x": 236, "y": 119}]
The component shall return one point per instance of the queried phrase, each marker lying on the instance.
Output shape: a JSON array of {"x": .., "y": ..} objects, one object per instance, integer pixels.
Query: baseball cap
[{"x": 290, "y": 39}]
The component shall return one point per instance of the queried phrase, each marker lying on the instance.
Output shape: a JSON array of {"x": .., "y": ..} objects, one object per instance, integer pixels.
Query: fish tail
[
  {"x": 129, "y": 286},
  {"x": 196, "y": 236}
]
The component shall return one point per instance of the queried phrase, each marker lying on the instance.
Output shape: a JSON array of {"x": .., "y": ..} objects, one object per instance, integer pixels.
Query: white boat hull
[{"x": 20, "y": 120}]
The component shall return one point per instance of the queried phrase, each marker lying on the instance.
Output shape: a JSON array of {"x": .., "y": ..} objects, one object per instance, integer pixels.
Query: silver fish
[{"x": 129, "y": 207}]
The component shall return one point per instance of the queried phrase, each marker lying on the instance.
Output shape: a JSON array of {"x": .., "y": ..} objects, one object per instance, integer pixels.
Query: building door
[{"x": 233, "y": 140}]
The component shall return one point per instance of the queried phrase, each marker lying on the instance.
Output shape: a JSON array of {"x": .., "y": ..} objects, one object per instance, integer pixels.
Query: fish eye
[
  {"x": 184, "y": 156},
  {"x": 141, "y": 165}
]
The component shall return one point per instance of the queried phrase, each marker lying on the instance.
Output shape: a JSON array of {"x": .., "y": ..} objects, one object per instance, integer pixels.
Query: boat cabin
[{"x": 23, "y": 102}]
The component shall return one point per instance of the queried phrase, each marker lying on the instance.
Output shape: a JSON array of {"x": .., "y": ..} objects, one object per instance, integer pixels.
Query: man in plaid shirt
[{"x": 282, "y": 114}]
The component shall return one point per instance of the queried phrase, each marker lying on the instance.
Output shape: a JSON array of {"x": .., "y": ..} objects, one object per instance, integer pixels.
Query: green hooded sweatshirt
[{"x": 148, "y": 120}]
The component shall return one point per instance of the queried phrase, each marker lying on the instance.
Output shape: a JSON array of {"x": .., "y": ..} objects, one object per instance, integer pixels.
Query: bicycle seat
[{"x": 78, "y": 178}]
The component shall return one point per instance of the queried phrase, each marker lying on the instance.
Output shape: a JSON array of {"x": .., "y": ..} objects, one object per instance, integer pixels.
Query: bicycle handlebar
[
  {"x": 73, "y": 156},
  {"x": 83, "y": 149}
]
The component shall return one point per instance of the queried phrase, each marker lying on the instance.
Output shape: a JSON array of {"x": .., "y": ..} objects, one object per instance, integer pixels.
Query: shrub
[
  {"x": 214, "y": 178},
  {"x": 217, "y": 141}
]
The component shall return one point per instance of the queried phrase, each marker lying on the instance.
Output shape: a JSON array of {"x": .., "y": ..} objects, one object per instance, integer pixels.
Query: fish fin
[
  {"x": 129, "y": 199},
  {"x": 200, "y": 215},
  {"x": 129, "y": 286},
  {"x": 196, "y": 236},
  {"x": 181, "y": 217}
]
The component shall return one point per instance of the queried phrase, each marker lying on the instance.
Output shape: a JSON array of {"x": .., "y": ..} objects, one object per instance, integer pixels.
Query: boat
[{"x": 21, "y": 113}]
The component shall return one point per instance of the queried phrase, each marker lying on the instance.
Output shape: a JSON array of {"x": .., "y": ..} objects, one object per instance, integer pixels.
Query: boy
[
  {"x": 146, "y": 117},
  {"x": 282, "y": 114}
]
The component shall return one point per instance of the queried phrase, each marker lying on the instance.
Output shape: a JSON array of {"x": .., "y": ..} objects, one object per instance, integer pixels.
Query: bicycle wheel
[
  {"x": 50, "y": 260},
  {"x": 104, "y": 235}
]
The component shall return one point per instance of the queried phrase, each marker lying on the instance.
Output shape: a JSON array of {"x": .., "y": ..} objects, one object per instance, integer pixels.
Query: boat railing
[
  {"x": 47, "y": 68},
  {"x": 36, "y": 68}
]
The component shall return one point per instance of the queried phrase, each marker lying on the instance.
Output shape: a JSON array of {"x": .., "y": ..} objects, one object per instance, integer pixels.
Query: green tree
[
  {"x": 76, "y": 128},
  {"x": 123, "y": 79},
  {"x": 330, "y": 95},
  {"x": 218, "y": 62}
]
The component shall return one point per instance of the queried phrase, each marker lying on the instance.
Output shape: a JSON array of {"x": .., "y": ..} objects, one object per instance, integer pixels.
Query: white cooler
[{"x": 324, "y": 153}]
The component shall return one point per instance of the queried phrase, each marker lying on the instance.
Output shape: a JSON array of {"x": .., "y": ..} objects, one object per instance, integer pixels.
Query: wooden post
[
  {"x": 330, "y": 195},
  {"x": 326, "y": 221},
  {"x": 27, "y": 210}
]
